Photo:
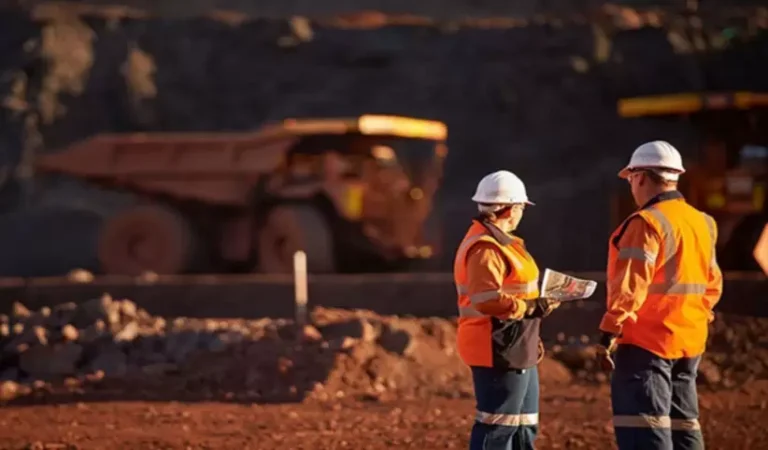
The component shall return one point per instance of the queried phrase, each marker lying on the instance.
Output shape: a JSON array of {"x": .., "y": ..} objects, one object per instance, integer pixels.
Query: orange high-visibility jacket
[
  {"x": 663, "y": 278},
  {"x": 493, "y": 294}
]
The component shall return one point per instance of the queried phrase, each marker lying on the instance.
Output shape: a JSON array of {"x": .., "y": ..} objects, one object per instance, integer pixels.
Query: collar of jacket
[
  {"x": 664, "y": 196},
  {"x": 497, "y": 233}
]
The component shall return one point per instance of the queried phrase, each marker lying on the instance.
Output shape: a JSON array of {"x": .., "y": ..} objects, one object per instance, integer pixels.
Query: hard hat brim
[
  {"x": 624, "y": 173},
  {"x": 481, "y": 200}
]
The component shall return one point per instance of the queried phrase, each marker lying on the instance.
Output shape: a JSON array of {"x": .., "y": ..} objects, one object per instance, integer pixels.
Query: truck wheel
[
  {"x": 146, "y": 238},
  {"x": 289, "y": 228}
]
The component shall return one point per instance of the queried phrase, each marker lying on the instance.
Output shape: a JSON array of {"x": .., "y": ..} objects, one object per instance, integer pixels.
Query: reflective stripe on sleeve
[
  {"x": 638, "y": 254},
  {"x": 509, "y": 289},
  {"x": 485, "y": 296},
  {"x": 520, "y": 288},
  {"x": 642, "y": 421},
  {"x": 509, "y": 420}
]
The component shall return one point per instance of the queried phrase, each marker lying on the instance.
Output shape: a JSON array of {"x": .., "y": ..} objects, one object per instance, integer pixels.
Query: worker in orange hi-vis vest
[
  {"x": 499, "y": 317},
  {"x": 663, "y": 281}
]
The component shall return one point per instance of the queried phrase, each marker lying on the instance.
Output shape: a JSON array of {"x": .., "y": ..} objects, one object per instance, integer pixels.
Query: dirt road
[{"x": 574, "y": 417}]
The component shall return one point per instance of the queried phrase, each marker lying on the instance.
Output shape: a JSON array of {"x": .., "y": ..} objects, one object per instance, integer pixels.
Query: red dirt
[
  {"x": 574, "y": 417},
  {"x": 353, "y": 379}
]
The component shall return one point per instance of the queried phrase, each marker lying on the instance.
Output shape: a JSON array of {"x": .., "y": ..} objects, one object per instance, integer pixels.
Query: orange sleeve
[
  {"x": 714, "y": 282},
  {"x": 486, "y": 270},
  {"x": 632, "y": 273}
]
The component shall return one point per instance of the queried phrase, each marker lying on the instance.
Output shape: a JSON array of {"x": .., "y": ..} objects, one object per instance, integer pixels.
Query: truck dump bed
[
  {"x": 218, "y": 168},
  {"x": 214, "y": 168}
]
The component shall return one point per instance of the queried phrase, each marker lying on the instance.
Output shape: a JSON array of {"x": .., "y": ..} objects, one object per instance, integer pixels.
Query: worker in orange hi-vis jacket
[
  {"x": 499, "y": 317},
  {"x": 662, "y": 284}
]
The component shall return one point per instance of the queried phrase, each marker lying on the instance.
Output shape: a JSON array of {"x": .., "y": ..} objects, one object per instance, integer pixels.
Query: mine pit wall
[{"x": 537, "y": 98}]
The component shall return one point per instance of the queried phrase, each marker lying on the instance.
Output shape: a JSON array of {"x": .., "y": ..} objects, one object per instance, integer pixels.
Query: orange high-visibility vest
[
  {"x": 673, "y": 320},
  {"x": 474, "y": 340}
]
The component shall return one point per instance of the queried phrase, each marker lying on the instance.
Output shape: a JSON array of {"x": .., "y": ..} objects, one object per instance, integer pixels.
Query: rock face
[{"x": 515, "y": 94}]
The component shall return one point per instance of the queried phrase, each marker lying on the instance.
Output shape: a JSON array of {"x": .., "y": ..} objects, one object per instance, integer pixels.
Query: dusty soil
[
  {"x": 574, "y": 417},
  {"x": 106, "y": 374}
]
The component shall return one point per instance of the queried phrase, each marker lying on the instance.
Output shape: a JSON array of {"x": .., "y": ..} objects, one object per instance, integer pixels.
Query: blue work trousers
[
  {"x": 655, "y": 404},
  {"x": 507, "y": 416}
]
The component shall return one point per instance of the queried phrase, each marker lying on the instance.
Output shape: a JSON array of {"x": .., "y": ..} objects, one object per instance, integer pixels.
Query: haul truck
[
  {"x": 356, "y": 194},
  {"x": 729, "y": 177}
]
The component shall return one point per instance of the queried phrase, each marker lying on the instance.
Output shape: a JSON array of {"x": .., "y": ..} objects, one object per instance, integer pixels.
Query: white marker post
[{"x": 300, "y": 288}]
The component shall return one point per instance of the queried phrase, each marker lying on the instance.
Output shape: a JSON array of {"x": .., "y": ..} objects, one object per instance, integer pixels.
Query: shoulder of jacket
[
  {"x": 642, "y": 214},
  {"x": 472, "y": 241},
  {"x": 711, "y": 223}
]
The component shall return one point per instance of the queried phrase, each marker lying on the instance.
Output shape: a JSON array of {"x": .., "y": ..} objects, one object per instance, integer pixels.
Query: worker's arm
[
  {"x": 633, "y": 272},
  {"x": 714, "y": 282},
  {"x": 486, "y": 270}
]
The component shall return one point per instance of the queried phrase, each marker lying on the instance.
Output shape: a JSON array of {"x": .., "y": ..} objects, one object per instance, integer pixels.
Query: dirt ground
[
  {"x": 108, "y": 375},
  {"x": 572, "y": 417}
]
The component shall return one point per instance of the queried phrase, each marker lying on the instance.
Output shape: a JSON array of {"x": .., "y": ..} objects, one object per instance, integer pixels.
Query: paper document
[{"x": 565, "y": 288}]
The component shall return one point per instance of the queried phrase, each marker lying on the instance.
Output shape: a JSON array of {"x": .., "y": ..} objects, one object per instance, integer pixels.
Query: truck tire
[
  {"x": 289, "y": 228},
  {"x": 146, "y": 238}
]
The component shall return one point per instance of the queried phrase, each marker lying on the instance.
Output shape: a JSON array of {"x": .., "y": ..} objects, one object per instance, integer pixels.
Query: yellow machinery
[{"x": 729, "y": 175}]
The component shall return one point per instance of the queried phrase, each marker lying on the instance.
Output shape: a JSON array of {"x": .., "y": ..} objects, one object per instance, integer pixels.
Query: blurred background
[
  {"x": 162, "y": 161},
  {"x": 537, "y": 94}
]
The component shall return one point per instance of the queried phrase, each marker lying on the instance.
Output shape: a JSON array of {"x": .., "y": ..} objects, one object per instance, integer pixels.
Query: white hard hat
[
  {"x": 658, "y": 155},
  {"x": 501, "y": 188}
]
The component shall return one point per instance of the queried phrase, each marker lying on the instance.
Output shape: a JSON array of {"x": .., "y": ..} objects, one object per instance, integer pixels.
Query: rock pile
[
  {"x": 101, "y": 335},
  {"x": 125, "y": 349},
  {"x": 112, "y": 348},
  {"x": 737, "y": 352}
]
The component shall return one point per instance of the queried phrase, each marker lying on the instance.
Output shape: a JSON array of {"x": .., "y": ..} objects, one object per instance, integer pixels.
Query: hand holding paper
[{"x": 565, "y": 288}]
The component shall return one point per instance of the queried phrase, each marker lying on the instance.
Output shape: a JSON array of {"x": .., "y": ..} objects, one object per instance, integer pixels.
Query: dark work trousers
[
  {"x": 507, "y": 415},
  {"x": 655, "y": 404}
]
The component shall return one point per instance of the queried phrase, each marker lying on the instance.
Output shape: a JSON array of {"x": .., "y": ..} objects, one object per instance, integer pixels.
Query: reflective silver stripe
[
  {"x": 713, "y": 236},
  {"x": 638, "y": 254},
  {"x": 468, "y": 243},
  {"x": 462, "y": 289},
  {"x": 520, "y": 288},
  {"x": 482, "y": 297},
  {"x": 468, "y": 311},
  {"x": 686, "y": 424},
  {"x": 677, "y": 288},
  {"x": 670, "y": 246},
  {"x": 642, "y": 421},
  {"x": 510, "y": 288},
  {"x": 668, "y": 251},
  {"x": 509, "y": 420}
]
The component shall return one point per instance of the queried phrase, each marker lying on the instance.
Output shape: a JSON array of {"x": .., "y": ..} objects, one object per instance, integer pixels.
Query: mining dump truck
[
  {"x": 729, "y": 177},
  {"x": 356, "y": 194}
]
